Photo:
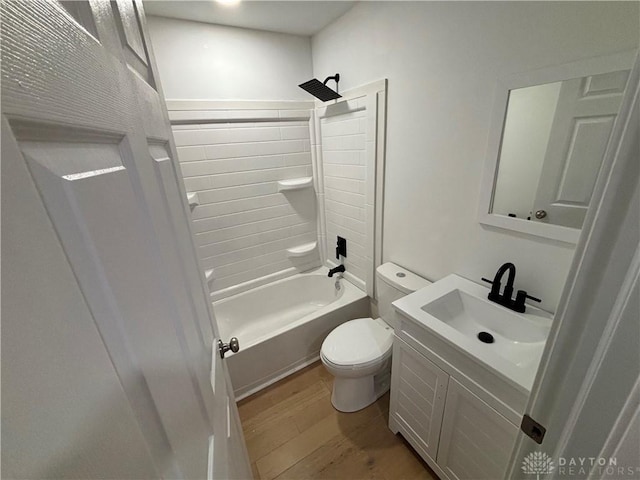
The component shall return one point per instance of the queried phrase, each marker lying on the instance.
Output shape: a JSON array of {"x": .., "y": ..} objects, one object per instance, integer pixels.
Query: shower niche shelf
[
  {"x": 302, "y": 250},
  {"x": 295, "y": 184}
]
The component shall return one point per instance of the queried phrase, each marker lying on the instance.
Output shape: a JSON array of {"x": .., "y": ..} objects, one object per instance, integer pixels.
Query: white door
[
  {"x": 586, "y": 110},
  {"x": 572, "y": 393},
  {"x": 106, "y": 361}
]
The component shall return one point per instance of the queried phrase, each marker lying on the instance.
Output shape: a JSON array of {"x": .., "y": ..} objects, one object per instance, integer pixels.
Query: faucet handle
[
  {"x": 522, "y": 294},
  {"x": 519, "y": 305},
  {"x": 495, "y": 289},
  {"x": 495, "y": 285}
]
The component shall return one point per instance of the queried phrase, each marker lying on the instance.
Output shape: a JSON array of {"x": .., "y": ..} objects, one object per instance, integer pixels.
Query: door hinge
[{"x": 533, "y": 429}]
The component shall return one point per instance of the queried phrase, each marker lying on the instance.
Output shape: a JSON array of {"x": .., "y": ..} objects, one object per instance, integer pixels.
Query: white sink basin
[
  {"x": 471, "y": 315},
  {"x": 457, "y": 310}
]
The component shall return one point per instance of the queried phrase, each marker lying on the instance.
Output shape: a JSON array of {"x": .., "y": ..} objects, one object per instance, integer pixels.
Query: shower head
[{"x": 320, "y": 90}]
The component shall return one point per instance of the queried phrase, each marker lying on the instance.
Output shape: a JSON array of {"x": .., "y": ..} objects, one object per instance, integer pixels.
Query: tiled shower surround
[
  {"x": 233, "y": 154},
  {"x": 243, "y": 225},
  {"x": 344, "y": 167}
]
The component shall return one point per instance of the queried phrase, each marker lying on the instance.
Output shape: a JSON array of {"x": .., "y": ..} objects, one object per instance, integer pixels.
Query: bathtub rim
[
  {"x": 233, "y": 290},
  {"x": 351, "y": 293}
]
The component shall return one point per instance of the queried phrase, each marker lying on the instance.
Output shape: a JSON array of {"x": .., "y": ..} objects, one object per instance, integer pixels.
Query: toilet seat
[
  {"x": 360, "y": 367},
  {"x": 358, "y": 344}
]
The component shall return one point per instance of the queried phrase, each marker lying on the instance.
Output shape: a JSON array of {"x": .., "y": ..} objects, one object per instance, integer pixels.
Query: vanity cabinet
[
  {"x": 458, "y": 434},
  {"x": 475, "y": 441},
  {"x": 418, "y": 391}
]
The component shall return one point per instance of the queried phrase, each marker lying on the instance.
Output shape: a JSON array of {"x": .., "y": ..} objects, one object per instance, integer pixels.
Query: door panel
[
  {"x": 96, "y": 217},
  {"x": 188, "y": 273},
  {"x": 134, "y": 46},
  {"x": 170, "y": 219},
  {"x": 82, "y": 13},
  {"x": 52, "y": 351},
  {"x": 582, "y": 163},
  {"x": 132, "y": 36},
  {"x": 92, "y": 133},
  {"x": 585, "y": 113}
]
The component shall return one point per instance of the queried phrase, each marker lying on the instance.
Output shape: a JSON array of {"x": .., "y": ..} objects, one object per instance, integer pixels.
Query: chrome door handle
[
  {"x": 233, "y": 345},
  {"x": 540, "y": 214}
]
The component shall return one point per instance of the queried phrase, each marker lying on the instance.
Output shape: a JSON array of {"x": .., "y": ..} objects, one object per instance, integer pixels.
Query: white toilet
[{"x": 358, "y": 352}]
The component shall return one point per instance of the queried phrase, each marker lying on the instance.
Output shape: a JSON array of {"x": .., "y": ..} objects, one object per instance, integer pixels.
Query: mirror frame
[{"x": 581, "y": 68}]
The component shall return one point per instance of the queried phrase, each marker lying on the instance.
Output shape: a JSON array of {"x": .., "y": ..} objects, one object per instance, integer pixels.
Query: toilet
[{"x": 358, "y": 352}]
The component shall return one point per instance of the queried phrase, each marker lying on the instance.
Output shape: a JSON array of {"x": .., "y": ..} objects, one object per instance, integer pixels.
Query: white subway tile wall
[
  {"x": 243, "y": 226},
  {"x": 344, "y": 171}
]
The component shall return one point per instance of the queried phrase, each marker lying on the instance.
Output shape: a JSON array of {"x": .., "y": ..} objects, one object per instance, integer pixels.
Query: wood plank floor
[{"x": 293, "y": 432}]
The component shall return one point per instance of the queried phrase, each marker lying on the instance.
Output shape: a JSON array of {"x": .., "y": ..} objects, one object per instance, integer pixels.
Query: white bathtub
[{"x": 281, "y": 326}]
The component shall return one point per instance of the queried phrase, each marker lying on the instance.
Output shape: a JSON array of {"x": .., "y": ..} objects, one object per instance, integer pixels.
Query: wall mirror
[{"x": 550, "y": 130}]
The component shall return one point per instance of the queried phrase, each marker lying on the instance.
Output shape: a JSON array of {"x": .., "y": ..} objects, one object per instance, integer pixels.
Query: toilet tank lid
[{"x": 400, "y": 278}]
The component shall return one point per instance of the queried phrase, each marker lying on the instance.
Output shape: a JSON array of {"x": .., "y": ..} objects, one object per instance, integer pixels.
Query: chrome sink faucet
[{"x": 505, "y": 299}]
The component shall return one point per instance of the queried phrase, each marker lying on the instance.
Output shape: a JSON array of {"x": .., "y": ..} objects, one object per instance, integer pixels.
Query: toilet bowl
[{"x": 358, "y": 352}]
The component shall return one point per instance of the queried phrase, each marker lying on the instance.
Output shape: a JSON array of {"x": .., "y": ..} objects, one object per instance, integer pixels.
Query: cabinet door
[
  {"x": 418, "y": 390},
  {"x": 476, "y": 441}
]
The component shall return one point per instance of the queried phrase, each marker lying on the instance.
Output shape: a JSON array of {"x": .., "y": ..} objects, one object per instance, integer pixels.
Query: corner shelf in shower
[
  {"x": 295, "y": 184},
  {"x": 208, "y": 275},
  {"x": 193, "y": 200},
  {"x": 302, "y": 250}
]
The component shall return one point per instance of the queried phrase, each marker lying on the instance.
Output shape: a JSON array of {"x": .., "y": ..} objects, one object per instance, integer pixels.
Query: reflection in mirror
[{"x": 553, "y": 143}]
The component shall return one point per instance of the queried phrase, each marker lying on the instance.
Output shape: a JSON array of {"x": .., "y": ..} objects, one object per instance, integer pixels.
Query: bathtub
[{"x": 281, "y": 326}]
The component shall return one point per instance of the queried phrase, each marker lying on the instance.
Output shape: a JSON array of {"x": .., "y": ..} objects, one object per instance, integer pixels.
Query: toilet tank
[{"x": 394, "y": 282}]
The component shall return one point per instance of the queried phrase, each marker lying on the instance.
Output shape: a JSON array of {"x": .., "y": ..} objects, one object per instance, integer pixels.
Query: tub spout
[{"x": 338, "y": 269}]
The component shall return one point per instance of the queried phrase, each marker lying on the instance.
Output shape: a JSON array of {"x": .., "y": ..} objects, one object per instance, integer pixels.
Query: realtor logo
[{"x": 537, "y": 463}]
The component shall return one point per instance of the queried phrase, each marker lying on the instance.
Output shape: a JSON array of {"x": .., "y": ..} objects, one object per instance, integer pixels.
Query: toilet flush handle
[{"x": 233, "y": 345}]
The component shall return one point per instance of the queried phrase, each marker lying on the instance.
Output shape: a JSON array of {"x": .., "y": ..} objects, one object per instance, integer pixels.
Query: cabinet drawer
[
  {"x": 476, "y": 441},
  {"x": 418, "y": 391}
]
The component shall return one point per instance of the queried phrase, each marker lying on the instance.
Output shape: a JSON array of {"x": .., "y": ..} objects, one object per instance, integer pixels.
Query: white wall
[
  {"x": 204, "y": 61},
  {"x": 524, "y": 145},
  {"x": 442, "y": 60}
]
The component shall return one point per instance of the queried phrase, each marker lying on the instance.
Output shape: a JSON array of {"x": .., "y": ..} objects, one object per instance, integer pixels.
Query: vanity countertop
[{"x": 456, "y": 310}]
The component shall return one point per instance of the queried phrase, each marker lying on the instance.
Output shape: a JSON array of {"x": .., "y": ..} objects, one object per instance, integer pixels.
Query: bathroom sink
[
  {"x": 471, "y": 315},
  {"x": 458, "y": 312}
]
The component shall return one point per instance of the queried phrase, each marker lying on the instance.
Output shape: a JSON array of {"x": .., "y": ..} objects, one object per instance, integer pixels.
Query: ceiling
[{"x": 294, "y": 17}]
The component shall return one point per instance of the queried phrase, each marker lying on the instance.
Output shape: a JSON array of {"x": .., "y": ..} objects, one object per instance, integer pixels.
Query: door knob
[
  {"x": 233, "y": 345},
  {"x": 540, "y": 214}
]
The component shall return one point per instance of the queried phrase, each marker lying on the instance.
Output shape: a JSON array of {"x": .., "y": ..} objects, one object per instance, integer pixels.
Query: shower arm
[{"x": 335, "y": 77}]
